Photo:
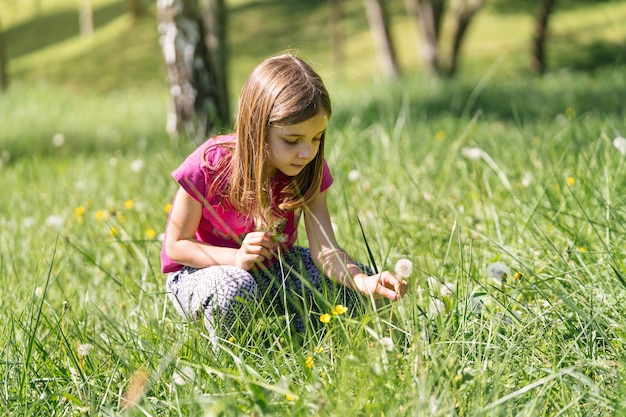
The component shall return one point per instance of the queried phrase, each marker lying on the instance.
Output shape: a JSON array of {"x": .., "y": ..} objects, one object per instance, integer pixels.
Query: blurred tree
[
  {"x": 4, "y": 81},
  {"x": 538, "y": 61},
  {"x": 85, "y": 18},
  {"x": 428, "y": 15},
  {"x": 137, "y": 9},
  {"x": 377, "y": 18},
  {"x": 192, "y": 35},
  {"x": 336, "y": 33}
]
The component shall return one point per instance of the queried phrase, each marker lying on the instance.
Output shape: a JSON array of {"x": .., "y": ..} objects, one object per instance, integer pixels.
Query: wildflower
[
  {"x": 570, "y": 181},
  {"x": 167, "y": 208},
  {"x": 150, "y": 233},
  {"x": 128, "y": 204},
  {"x": 354, "y": 175},
  {"x": 114, "y": 232},
  {"x": 58, "y": 140},
  {"x": 184, "y": 375},
  {"x": 436, "y": 306},
  {"x": 404, "y": 268},
  {"x": 433, "y": 284},
  {"x": 318, "y": 349},
  {"x": 231, "y": 339},
  {"x": 387, "y": 343},
  {"x": 476, "y": 305},
  {"x": 527, "y": 179},
  {"x": 338, "y": 310},
  {"x": 137, "y": 165},
  {"x": 498, "y": 272},
  {"x": 80, "y": 211},
  {"x": 101, "y": 215},
  {"x": 309, "y": 362},
  {"x": 54, "y": 221},
  {"x": 440, "y": 135},
  {"x": 39, "y": 292},
  {"x": 620, "y": 144},
  {"x": 84, "y": 349},
  {"x": 518, "y": 275},
  {"x": 473, "y": 154},
  {"x": 448, "y": 289},
  {"x": 289, "y": 397},
  {"x": 325, "y": 318},
  {"x": 582, "y": 249}
]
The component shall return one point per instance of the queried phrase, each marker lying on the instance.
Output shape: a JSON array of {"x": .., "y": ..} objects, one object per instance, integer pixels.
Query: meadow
[{"x": 505, "y": 191}]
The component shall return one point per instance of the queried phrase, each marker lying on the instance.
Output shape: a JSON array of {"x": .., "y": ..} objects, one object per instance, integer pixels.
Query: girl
[{"x": 229, "y": 241}]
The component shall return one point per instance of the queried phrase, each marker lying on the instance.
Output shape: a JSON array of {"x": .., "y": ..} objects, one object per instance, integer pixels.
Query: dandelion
[
  {"x": 80, "y": 211},
  {"x": 84, "y": 349},
  {"x": 167, "y": 208},
  {"x": 309, "y": 362},
  {"x": 54, "y": 221},
  {"x": 129, "y": 204},
  {"x": 582, "y": 249},
  {"x": 433, "y": 284},
  {"x": 150, "y": 233},
  {"x": 28, "y": 222},
  {"x": 498, "y": 272},
  {"x": 387, "y": 343},
  {"x": 338, "y": 310},
  {"x": 440, "y": 135},
  {"x": 448, "y": 289},
  {"x": 184, "y": 375},
  {"x": 114, "y": 232},
  {"x": 289, "y": 397},
  {"x": 518, "y": 275},
  {"x": 404, "y": 268},
  {"x": 527, "y": 179},
  {"x": 570, "y": 113},
  {"x": 620, "y": 144},
  {"x": 231, "y": 339},
  {"x": 354, "y": 175},
  {"x": 436, "y": 306},
  {"x": 101, "y": 215},
  {"x": 39, "y": 292},
  {"x": 137, "y": 165},
  {"x": 58, "y": 140},
  {"x": 318, "y": 349},
  {"x": 476, "y": 306},
  {"x": 473, "y": 154},
  {"x": 570, "y": 181},
  {"x": 325, "y": 318}
]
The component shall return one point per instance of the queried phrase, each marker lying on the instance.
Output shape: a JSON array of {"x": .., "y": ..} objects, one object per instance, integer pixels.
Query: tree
[
  {"x": 4, "y": 81},
  {"x": 538, "y": 60},
  {"x": 193, "y": 41},
  {"x": 85, "y": 18},
  {"x": 428, "y": 15},
  {"x": 377, "y": 18},
  {"x": 137, "y": 9}
]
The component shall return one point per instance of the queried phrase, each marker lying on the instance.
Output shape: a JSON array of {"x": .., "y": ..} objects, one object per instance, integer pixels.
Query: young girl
[{"x": 229, "y": 241}]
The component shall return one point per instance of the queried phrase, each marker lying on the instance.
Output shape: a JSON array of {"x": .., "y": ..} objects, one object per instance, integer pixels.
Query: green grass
[{"x": 80, "y": 220}]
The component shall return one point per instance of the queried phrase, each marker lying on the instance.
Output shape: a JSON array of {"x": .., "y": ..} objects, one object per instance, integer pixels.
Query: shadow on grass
[{"x": 49, "y": 29}]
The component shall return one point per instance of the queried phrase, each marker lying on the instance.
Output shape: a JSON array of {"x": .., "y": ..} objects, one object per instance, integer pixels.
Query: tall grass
[{"x": 453, "y": 176}]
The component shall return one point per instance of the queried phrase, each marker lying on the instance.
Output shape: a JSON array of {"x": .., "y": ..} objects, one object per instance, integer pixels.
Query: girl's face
[{"x": 290, "y": 148}]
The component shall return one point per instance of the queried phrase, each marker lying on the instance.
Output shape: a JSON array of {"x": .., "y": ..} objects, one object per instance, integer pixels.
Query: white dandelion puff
[
  {"x": 448, "y": 289},
  {"x": 183, "y": 375},
  {"x": 404, "y": 268},
  {"x": 473, "y": 154},
  {"x": 28, "y": 222},
  {"x": 84, "y": 349},
  {"x": 476, "y": 305},
  {"x": 498, "y": 272},
  {"x": 436, "y": 306},
  {"x": 58, "y": 140},
  {"x": 54, "y": 221},
  {"x": 354, "y": 175},
  {"x": 433, "y": 284},
  {"x": 39, "y": 292},
  {"x": 137, "y": 165},
  {"x": 387, "y": 343},
  {"x": 620, "y": 144}
]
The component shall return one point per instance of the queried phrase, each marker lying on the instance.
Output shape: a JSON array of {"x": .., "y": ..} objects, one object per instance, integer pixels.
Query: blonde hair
[{"x": 280, "y": 91}]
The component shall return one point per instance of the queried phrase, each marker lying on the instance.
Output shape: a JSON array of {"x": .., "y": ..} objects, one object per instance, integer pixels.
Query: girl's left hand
[{"x": 385, "y": 285}]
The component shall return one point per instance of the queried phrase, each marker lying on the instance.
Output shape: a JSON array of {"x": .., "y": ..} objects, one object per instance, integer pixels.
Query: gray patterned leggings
[{"x": 226, "y": 295}]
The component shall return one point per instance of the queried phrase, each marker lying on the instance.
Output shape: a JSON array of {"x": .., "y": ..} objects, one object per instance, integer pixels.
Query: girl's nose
[{"x": 306, "y": 151}]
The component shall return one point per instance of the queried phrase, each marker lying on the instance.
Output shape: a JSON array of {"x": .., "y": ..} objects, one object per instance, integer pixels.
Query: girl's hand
[
  {"x": 255, "y": 248},
  {"x": 385, "y": 285}
]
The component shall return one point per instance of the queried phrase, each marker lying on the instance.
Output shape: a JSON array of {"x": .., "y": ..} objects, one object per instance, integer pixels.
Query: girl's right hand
[{"x": 255, "y": 248}]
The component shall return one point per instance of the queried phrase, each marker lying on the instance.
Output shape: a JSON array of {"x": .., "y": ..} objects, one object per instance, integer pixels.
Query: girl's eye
[{"x": 291, "y": 142}]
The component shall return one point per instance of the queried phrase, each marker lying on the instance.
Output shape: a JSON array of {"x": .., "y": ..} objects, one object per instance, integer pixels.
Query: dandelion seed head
[
  {"x": 404, "y": 268},
  {"x": 354, "y": 175},
  {"x": 448, "y": 289},
  {"x": 473, "y": 154},
  {"x": 28, "y": 222},
  {"x": 620, "y": 144},
  {"x": 183, "y": 375},
  {"x": 39, "y": 292},
  {"x": 54, "y": 221},
  {"x": 476, "y": 305},
  {"x": 84, "y": 349},
  {"x": 387, "y": 343},
  {"x": 58, "y": 140},
  {"x": 498, "y": 272},
  {"x": 137, "y": 165},
  {"x": 433, "y": 283},
  {"x": 436, "y": 306},
  {"x": 527, "y": 179}
]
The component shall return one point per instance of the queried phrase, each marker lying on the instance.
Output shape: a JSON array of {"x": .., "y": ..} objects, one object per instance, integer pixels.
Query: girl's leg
[{"x": 219, "y": 294}]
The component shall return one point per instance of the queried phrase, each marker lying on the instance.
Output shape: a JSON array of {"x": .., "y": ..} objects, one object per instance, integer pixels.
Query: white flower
[
  {"x": 137, "y": 165},
  {"x": 387, "y": 343},
  {"x": 404, "y": 268},
  {"x": 436, "y": 306},
  {"x": 433, "y": 284},
  {"x": 448, "y": 289},
  {"x": 183, "y": 375},
  {"x": 472, "y": 154},
  {"x": 58, "y": 140},
  {"x": 39, "y": 292},
  {"x": 84, "y": 349},
  {"x": 354, "y": 175},
  {"x": 620, "y": 144},
  {"x": 54, "y": 221},
  {"x": 476, "y": 305},
  {"x": 527, "y": 179},
  {"x": 498, "y": 272}
]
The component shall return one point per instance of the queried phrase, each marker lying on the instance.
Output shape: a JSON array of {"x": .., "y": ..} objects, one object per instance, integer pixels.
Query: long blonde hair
[{"x": 280, "y": 91}]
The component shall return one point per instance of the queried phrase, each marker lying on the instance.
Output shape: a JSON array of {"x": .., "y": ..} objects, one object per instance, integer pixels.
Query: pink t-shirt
[{"x": 220, "y": 224}]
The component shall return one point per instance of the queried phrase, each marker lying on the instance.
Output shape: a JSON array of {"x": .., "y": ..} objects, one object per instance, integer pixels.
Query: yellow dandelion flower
[
  {"x": 570, "y": 181},
  {"x": 440, "y": 135},
  {"x": 121, "y": 218},
  {"x": 309, "y": 362},
  {"x": 150, "y": 233},
  {"x": 289, "y": 397},
  {"x": 80, "y": 211},
  {"x": 101, "y": 215},
  {"x": 318, "y": 349},
  {"x": 167, "y": 208},
  {"x": 518, "y": 275},
  {"x": 114, "y": 231},
  {"x": 570, "y": 113},
  {"x": 582, "y": 249},
  {"x": 129, "y": 204},
  {"x": 338, "y": 309},
  {"x": 231, "y": 339},
  {"x": 325, "y": 318}
]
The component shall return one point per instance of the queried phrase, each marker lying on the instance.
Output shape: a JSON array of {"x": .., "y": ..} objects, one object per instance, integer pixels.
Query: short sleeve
[
  {"x": 191, "y": 175},
  {"x": 327, "y": 178}
]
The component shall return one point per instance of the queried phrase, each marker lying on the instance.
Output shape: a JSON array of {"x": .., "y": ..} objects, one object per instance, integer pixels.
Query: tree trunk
[
  {"x": 336, "y": 33},
  {"x": 137, "y": 9},
  {"x": 464, "y": 14},
  {"x": 538, "y": 62},
  {"x": 428, "y": 15},
  {"x": 4, "y": 81},
  {"x": 379, "y": 28},
  {"x": 193, "y": 42},
  {"x": 85, "y": 18}
]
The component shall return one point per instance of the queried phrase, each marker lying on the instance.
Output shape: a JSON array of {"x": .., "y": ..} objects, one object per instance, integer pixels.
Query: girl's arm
[
  {"x": 337, "y": 264},
  {"x": 182, "y": 247}
]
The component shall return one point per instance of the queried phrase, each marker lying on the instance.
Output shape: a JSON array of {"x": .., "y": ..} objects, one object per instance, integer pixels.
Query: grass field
[{"x": 493, "y": 168}]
